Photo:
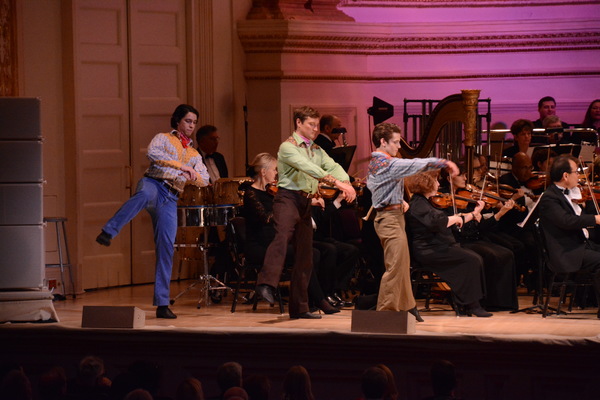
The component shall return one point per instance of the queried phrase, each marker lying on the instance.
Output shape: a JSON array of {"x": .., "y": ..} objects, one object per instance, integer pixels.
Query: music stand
[{"x": 343, "y": 155}]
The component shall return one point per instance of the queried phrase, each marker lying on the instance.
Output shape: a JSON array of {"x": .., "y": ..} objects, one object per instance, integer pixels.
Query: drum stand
[{"x": 205, "y": 282}]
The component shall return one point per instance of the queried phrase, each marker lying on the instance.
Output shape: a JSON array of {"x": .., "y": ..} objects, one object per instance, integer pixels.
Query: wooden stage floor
[
  {"x": 507, "y": 356},
  {"x": 578, "y": 324}
]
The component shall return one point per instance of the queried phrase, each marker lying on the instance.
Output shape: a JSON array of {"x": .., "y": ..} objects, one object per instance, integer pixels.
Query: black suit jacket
[
  {"x": 220, "y": 163},
  {"x": 324, "y": 143},
  {"x": 562, "y": 230}
]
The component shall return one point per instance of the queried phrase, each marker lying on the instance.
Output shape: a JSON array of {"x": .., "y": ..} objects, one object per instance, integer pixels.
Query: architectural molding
[
  {"x": 379, "y": 78},
  {"x": 8, "y": 49},
  {"x": 416, "y": 38},
  {"x": 460, "y": 3},
  {"x": 324, "y": 10}
]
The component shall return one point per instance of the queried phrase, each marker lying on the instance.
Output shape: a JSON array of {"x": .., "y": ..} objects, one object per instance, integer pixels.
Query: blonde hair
[{"x": 261, "y": 161}]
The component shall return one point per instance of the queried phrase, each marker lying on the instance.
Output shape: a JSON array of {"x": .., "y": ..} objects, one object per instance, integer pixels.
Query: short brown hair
[
  {"x": 384, "y": 131},
  {"x": 303, "y": 113},
  {"x": 422, "y": 183},
  {"x": 518, "y": 126}
]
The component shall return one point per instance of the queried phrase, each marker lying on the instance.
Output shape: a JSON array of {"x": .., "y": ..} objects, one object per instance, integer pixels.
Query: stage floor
[
  {"x": 442, "y": 321},
  {"x": 507, "y": 356}
]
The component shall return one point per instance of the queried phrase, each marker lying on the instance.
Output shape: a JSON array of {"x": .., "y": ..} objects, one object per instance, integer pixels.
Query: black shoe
[
  {"x": 267, "y": 293},
  {"x": 341, "y": 302},
  {"x": 165, "y": 312},
  {"x": 327, "y": 308},
  {"x": 478, "y": 312},
  {"x": 305, "y": 315},
  {"x": 415, "y": 312},
  {"x": 104, "y": 239}
]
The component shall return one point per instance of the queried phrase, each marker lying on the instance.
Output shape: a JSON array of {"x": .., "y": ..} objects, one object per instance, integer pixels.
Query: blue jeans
[{"x": 161, "y": 204}]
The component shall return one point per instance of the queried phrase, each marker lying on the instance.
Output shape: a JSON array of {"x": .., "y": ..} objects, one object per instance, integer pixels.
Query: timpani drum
[
  {"x": 196, "y": 196},
  {"x": 226, "y": 191}
]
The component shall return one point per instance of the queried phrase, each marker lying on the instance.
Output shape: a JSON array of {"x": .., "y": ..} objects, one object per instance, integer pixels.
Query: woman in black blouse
[
  {"x": 258, "y": 211},
  {"x": 433, "y": 244}
]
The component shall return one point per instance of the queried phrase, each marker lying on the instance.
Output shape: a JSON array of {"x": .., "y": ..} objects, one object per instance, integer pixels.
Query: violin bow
[
  {"x": 482, "y": 188},
  {"x": 587, "y": 181}
]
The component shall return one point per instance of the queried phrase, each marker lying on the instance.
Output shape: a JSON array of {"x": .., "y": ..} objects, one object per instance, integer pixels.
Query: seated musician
[
  {"x": 521, "y": 130},
  {"x": 334, "y": 275},
  {"x": 258, "y": 211},
  {"x": 565, "y": 225},
  {"x": 433, "y": 244},
  {"x": 521, "y": 173},
  {"x": 498, "y": 261},
  {"x": 558, "y": 135},
  {"x": 542, "y": 159}
]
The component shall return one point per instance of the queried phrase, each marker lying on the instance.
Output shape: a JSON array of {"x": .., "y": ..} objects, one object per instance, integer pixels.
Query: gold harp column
[{"x": 470, "y": 101}]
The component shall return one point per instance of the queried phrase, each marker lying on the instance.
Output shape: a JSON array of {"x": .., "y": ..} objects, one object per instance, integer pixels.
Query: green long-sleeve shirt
[{"x": 302, "y": 167}]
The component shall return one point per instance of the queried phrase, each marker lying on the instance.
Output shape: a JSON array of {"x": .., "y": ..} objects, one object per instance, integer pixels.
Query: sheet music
[
  {"x": 522, "y": 223},
  {"x": 587, "y": 152}
]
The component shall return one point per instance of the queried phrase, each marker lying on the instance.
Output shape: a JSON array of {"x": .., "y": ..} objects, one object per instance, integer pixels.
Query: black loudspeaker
[
  {"x": 380, "y": 111},
  {"x": 112, "y": 317}
]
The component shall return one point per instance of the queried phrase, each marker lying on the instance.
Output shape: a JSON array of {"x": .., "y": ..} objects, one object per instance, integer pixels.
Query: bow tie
[{"x": 565, "y": 191}]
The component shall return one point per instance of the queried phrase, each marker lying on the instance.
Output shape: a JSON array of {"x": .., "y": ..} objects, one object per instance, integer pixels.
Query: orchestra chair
[
  {"x": 567, "y": 283},
  {"x": 421, "y": 276},
  {"x": 236, "y": 236}
]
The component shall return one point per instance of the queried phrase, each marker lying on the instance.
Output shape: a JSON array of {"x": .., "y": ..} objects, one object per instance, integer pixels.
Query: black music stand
[{"x": 343, "y": 155}]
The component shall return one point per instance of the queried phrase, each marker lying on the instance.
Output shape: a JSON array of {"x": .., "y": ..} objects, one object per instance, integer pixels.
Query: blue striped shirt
[{"x": 385, "y": 178}]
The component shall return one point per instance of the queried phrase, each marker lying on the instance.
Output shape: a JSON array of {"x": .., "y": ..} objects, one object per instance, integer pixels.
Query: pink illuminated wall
[{"x": 514, "y": 51}]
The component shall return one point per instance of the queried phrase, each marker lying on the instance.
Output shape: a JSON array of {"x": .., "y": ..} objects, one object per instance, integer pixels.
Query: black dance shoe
[
  {"x": 104, "y": 239},
  {"x": 305, "y": 315},
  {"x": 267, "y": 293},
  {"x": 327, "y": 308},
  {"x": 415, "y": 312},
  {"x": 165, "y": 312},
  {"x": 478, "y": 312}
]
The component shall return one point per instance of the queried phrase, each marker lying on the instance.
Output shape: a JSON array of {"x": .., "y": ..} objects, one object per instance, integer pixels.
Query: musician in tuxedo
[
  {"x": 565, "y": 225},
  {"x": 329, "y": 126},
  {"x": 208, "y": 142}
]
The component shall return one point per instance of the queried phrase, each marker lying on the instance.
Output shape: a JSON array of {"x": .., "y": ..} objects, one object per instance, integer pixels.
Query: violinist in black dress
[
  {"x": 498, "y": 261},
  {"x": 433, "y": 245}
]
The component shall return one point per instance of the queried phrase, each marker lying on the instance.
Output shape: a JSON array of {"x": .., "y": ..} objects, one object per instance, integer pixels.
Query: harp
[{"x": 460, "y": 107}]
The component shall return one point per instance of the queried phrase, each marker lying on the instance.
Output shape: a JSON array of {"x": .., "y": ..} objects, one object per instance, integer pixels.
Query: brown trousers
[
  {"x": 395, "y": 292},
  {"x": 292, "y": 221}
]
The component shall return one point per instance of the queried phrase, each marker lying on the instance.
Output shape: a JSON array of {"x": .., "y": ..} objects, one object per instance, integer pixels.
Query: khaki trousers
[{"x": 395, "y": 292}]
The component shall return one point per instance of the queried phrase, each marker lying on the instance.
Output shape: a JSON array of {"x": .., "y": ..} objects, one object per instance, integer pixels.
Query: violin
[
  {"x": 359, "y": 187},
  {"x": 491, "y": 199},
  {"x": 537, "y": 181},
  {"x": 444, "y": 200},
  {"x": 272, "y": 188},
  {"x": 328, "y": 192}
]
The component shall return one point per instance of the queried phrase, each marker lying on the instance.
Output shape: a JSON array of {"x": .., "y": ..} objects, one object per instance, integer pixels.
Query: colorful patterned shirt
[
  {"x": 386, "y": 175},
  {"x": 167, "y": 155}
]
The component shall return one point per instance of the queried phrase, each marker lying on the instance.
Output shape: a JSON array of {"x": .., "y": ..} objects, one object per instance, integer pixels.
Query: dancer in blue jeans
[{"x": 173, "y": 163}]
